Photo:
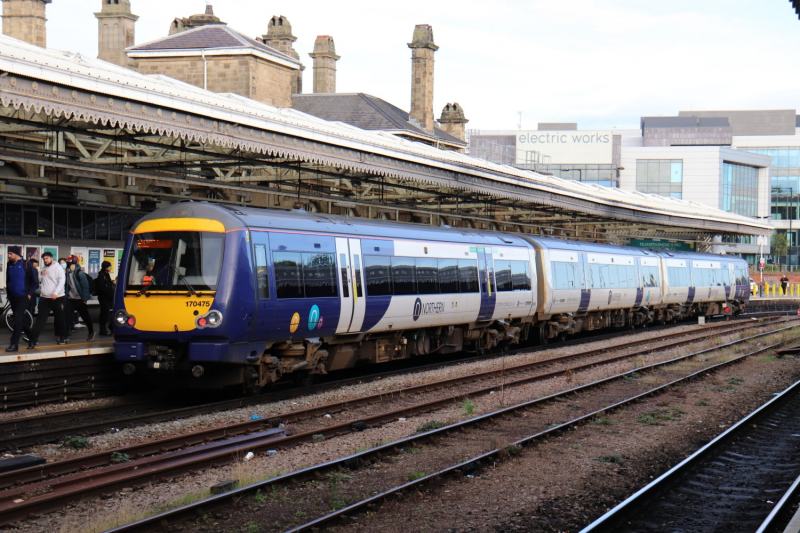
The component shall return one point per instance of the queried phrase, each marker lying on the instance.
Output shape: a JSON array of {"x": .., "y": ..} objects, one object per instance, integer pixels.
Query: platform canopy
[{"x": 85, "y": 131}]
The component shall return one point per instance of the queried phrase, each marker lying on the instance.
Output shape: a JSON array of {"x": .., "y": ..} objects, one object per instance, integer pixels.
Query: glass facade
[
  {"x": 65, "y": 223},
  {"x": 604, "y": 175},
  {"x": 739, "y": 189},
  {"x": 785, "y": 178},
  {"x": 660, "y": 176}
]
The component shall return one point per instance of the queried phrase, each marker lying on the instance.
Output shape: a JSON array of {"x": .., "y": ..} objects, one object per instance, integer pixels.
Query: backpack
[{"x": 94, "y": 285}]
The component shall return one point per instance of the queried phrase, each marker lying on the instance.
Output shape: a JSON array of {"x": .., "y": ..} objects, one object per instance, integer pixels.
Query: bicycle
[{"x": 8, "y": 318}]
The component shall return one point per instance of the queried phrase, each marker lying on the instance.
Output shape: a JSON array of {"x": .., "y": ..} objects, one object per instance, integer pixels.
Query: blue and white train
[{"x": 214, "y": 296}]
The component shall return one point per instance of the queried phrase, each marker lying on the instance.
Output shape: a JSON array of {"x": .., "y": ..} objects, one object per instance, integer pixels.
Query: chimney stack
[
  {"x": 25, "y": 20},
  {"x": 453, "y": 120},
  {"x": 279, "y": 36},
  {"x": 117, "y": 31},
  {"x": 325, "y": 59},
  {"x": 422, "y": 50}
]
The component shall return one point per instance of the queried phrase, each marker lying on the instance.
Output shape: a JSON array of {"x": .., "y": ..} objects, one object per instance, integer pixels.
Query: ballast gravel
[{"x": 99, "y": 514}]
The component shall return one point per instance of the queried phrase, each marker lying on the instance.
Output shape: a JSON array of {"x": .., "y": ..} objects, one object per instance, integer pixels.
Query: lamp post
[{"x": 790, "y": 217}]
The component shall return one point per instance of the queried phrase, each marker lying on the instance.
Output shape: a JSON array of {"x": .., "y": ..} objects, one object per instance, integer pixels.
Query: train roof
[
  {"x": 551, "y": 243},
  {"x": 237, "y": 217}
]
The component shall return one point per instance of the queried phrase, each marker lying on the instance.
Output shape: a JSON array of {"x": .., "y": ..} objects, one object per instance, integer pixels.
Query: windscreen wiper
[{"x": 183, "y": 279}]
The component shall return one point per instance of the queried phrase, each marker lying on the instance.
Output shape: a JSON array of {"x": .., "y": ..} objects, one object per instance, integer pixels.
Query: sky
[{"x": 600, "y": 63}]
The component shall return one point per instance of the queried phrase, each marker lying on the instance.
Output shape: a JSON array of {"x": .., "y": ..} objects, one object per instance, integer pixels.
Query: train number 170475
[{"x": 195, "y": 303}]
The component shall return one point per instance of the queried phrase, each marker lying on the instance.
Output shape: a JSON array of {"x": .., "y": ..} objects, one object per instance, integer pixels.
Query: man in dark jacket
[
  {"x": 105, "y": 295},
  {"x": 78, "y": 295},
  {"x": 21, "y": 285},
  {"x": 784, "y": 284}
]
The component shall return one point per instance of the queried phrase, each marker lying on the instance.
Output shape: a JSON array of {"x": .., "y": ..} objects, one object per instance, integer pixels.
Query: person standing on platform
[
  {"x": 105, "y": 295},
  {"x": 784, "y": 284},
  {"x": 21, "y": 285},
  {"x": 78, "y": 295},
  {"x": 51, "y": 298}
]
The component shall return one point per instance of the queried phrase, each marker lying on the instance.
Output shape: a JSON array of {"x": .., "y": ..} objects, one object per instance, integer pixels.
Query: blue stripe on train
[{"x": 586, "y": 295}]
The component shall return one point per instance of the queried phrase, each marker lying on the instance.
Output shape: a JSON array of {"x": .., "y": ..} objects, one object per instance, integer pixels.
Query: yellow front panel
[
  {"x": 180, "y": 224},
  {"x": 162, "y": 312}
]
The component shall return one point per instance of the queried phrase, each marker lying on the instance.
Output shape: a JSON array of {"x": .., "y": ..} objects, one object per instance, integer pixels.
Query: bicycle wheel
[{"x": 10, "y": 321}]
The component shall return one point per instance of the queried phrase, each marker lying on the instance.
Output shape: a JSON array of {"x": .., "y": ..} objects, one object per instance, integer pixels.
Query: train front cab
[{"x": 185, "y": 304}]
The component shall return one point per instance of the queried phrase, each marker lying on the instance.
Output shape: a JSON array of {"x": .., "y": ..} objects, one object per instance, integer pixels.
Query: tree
[{"x": 779, "y": 246}]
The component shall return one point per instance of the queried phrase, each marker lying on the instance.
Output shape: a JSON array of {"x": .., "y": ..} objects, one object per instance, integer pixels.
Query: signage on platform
[{"x": 658, "y": 244}]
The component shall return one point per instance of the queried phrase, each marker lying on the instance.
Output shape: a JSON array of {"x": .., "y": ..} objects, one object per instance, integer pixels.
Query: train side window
[
  {"x": 594, "y": 277},
  {"x": 468, "y": 275},
  {"x": 403, "y": 278},
  {"x": 319, "y": 275},
  {"x": 521, "y": 277},
  {"x": 448, "y": 276},
  {"x": 357, "y": 274},
  {"x": 262, "y": 280},
  {"x": 288, "y": 274},
  {"x": 345, "y": 281},
  {"x": 502, "y": 276},
  {"x": 378, "y": 270},
  {"x": 427, "y": 275}
]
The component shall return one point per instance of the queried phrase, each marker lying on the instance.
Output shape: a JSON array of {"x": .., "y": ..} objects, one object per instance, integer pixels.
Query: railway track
[
  {"x": 733, "y": 482},
  {"x": 18, "y": 434},
  {"x": 470, "y": 465},
  {"x": 60, "y": 468},
  {"x": 14, "y": 506}
]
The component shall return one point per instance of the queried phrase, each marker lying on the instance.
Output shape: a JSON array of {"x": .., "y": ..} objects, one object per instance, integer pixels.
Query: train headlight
[
  {"x": 122, "y": 318},
  {"x": 212, "y": 319}
]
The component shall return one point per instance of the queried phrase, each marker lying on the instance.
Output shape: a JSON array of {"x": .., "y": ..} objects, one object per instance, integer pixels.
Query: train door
[
  {"x": 357, "y": 302},
  {"x": 347, "y": 295},
  {"x": 586, "y": 292},
  {"x": 488, "y": 293},
  {"x": 261, "y": 267}
]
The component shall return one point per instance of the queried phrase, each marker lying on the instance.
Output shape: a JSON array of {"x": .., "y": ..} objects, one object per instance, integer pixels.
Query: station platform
[
  {"x": 52, "y": 373},
  {"x": 47, "y": 348}
]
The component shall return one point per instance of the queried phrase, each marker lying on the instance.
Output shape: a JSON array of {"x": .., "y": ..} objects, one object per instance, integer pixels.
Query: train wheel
[{"x": 543, "y": 340}]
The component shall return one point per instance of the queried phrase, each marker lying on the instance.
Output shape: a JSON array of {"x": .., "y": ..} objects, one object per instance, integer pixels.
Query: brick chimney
[
  {"x": 453, "y": 120},
  {"x": 26, "y": 20},
  {"x": 279, "y": 36},
  {"x": 117, "y": 31},
  {"x": 422, "y": 50},
  {"x": 325, "y": 59}
]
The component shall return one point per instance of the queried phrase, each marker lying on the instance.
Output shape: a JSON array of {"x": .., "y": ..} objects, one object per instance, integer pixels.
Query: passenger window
[
  {"x": 319, "y": 275},
  {"x": 379, "y": 281},
  {"x": 502, "y": 275},
  {"x": 448, "y": 276},
  {"x": 262, "y": 280},
  {"x": 468, "y": 275},
  {"x": 357, "y": 274},
  {"x": 427, "y": 275},
  {"x": 403, "y": 279},
  {"x": 345, "y": 281},
  {"x": 288, "y": 274},
  {"x": 520, "y": 275}
]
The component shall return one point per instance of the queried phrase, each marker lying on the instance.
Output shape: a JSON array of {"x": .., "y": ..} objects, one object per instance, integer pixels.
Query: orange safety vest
[{"x": 147, "y": 279}]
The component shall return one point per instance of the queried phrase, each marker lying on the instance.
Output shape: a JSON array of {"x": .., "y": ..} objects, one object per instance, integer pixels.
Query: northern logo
[{"x": 431, "y": 308}]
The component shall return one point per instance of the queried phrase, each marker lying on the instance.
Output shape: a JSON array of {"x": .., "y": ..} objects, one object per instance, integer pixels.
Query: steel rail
[
  {"x": 772, "y": 521},
  {"x": 499, "y": 454},
  {"x": 162, "y": 520},
  {"x": 21, "y": 441},
  {"x": 618, "y": 514},
  {"x": 22, "y": 423},
  {"x": 67, "y": 466}
]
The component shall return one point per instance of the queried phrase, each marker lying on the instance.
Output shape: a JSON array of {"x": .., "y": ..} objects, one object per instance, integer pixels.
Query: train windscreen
[{"x": 175, "y": 261}]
